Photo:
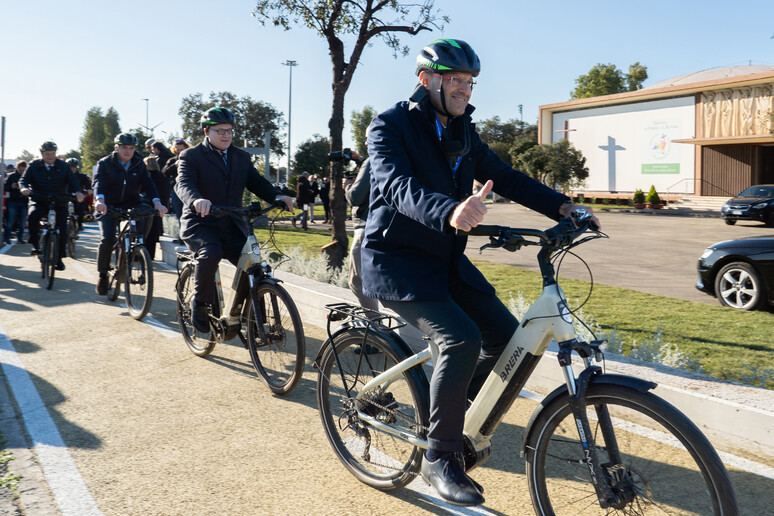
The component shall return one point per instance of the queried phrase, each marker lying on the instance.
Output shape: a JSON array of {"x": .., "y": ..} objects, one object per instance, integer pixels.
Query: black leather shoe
[
  {"x": 200, "y": 317},
  {"x": 60, "y": 265},
  {"x": 35, "y": 252},
  {"x": 450, "y": 481},
  {"x": 102, "y": 286}
]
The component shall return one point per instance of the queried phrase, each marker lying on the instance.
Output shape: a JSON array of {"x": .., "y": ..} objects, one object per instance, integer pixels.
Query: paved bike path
[{"x": 151, "y": 429}]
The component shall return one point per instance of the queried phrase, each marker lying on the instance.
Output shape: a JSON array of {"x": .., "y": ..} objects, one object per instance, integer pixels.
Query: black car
[
  {"x": 755, "y": 203},
  {"x": 740, "y": 273}
]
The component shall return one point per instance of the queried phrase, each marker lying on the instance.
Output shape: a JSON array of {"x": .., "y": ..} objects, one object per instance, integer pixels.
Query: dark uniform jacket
[
  {"x": 60, "y": 180},
  {"x": 119, "y": 187},
  {"x": 357, "y": 195},
  {"x": 201, "y": 174},
  {"x": 14, "y": 194},
  {"x": 409, "y": 249}
]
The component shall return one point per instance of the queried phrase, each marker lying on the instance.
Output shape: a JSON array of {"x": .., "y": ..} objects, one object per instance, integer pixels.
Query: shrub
[
  {"x": 639, "y": 196},
  {"x": 315, "y": 267},
  {"x": 653, "y": 197}
]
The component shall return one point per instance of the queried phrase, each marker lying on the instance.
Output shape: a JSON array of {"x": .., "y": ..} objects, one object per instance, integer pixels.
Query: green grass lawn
[{"x": 722, "y": 340}]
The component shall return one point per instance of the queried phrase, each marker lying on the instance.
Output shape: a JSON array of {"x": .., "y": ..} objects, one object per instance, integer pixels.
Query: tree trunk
[{"x": 336, "y": 251}]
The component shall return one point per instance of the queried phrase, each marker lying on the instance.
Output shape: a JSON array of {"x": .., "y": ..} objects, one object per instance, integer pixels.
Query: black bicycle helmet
[
  {"x": 73, "y": 162},
  {"x": 448, "y": 55},
  {"x": 217, "y": 115},
  {"x": 49, "y": 145},
  {"x": 125, "y": 139}
]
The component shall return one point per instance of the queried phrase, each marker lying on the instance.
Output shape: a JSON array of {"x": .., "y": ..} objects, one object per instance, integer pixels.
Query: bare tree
[{"x": 363, "y": 20}]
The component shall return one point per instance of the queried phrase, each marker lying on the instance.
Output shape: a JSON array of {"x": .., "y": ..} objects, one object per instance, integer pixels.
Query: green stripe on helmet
[{"x": 452, "y": 42}]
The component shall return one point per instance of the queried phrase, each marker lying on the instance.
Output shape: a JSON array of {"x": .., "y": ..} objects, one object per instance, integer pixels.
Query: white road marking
[
  {"x": 158, "y": 326},
  {"x": 83, "y": 272},
  {"x": 64, "y": 480},
  {"x": 5, "y": 248}
]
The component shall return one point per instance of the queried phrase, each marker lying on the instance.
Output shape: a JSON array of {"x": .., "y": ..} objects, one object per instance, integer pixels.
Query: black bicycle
[
  {"x": 49, "y": 237},
  {"x": 260, "y": 312},
  {"x": 72, "y": 229},
  {"x": 130, "y": 263}
]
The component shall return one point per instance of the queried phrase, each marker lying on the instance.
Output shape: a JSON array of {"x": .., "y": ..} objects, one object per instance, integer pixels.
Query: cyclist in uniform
[
  {"x": 85, "y": 182},
  {"x": 424, "y": 155},
  {"x": 215, "y": 172},
  {"x": 120, "y": 178},
  {"x": 49, "y": 176}
]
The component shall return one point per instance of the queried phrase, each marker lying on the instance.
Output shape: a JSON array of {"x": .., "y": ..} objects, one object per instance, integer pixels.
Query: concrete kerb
[{"x": 737, "y": 419}]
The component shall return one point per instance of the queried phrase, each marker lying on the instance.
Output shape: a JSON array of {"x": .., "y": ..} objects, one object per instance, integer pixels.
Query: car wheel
[
  {"x": 730, "y": 222},
  {"x": 738, "y": 285}
]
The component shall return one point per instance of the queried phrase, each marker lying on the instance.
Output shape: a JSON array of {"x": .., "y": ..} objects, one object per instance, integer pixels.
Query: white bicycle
[{"x": 598, "y": 444}]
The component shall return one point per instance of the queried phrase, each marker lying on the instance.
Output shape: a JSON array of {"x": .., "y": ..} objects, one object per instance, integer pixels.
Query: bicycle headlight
[
  {"x": 51, "y": 218},
  {"x": 256, "y": 249}
]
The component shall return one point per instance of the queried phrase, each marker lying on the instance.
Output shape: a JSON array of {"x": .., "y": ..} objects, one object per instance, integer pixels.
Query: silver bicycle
[
  {"x": 598, "y": 444},
  {"x": 260, "y": 311}
]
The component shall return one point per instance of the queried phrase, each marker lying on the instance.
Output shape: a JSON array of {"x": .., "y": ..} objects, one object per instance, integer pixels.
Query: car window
[{"x": 758, "y": 191}]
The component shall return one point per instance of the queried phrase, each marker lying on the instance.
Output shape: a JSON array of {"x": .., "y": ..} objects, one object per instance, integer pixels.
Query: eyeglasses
[
  {"x": 180, "y": 140},
  {"x": 457, "y": 82},
  {"x": 221, "y": 132}
]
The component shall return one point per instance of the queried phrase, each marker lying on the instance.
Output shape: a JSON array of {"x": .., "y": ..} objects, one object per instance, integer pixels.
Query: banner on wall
[{"x": 659, "y": 154}]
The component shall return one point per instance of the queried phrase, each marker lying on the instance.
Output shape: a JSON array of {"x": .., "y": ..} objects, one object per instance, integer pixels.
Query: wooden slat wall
[{"x": 727, "y": 169}]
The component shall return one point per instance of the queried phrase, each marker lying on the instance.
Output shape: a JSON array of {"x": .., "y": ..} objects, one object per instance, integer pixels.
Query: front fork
[{"x": 577, "y": 389}]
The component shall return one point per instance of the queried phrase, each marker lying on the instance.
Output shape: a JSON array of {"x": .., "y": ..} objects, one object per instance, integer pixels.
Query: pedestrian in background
[
  {"x": 325, "y": 198},
  {"x": 169, "y": 171},
  {"x": 16, "y": 203},
  {"x": 159, "y": 156}
]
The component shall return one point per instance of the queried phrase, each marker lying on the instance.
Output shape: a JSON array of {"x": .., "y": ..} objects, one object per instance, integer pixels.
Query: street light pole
[
  {"x": 289, "y": 64},
  {"x": 146, "y": 113}
]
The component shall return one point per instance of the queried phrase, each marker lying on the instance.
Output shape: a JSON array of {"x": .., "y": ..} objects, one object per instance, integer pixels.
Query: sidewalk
[{"x": 737, "y": 419}]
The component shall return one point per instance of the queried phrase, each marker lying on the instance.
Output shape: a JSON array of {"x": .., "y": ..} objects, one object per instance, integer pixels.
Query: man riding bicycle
[
  {"x": 216, "y": 173},
  {"x": 85, "y": 182},
  {"x": 425, "y": 154},
  {"x": 120, "y": 179},
  {"x": 46, "y": 178}
]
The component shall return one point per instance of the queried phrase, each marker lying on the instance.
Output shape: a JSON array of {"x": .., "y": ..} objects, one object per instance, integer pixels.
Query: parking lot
[{"x": 651, "y": 253}]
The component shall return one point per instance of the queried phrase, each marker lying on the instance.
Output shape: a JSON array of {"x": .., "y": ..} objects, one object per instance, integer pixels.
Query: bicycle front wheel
[
  {"x": 275, "y": 337},
  {"x": 185, "y": 294},
  {"x": 72, "y": 236},
  {"x": 657, "y": 463},
  {"x": 138, "y": 282},
  {"x": 114, "y": 274},
  {"x": 374, "y": 457},
  {"x": 50, "y": 258}
]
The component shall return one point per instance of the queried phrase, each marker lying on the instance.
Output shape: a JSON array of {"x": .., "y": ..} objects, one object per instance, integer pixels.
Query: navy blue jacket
[
  {"x": 201, "y": 174},
  {"x": 409, "y": 250},
  {"x": 59, "y": 181},
  {"x": 121, "y": 188}
]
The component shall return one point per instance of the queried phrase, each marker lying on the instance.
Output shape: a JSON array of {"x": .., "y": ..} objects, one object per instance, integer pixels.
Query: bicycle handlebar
[
  {"x": 55, "y": 198},
  {"x": 562, "y": 234},
  {"x": 254, "y": 210},
  {"x": 127, "y": 213}
]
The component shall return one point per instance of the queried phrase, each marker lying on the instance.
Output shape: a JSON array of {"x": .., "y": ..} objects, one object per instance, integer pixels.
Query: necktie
[{"x": 225, "y": 158}]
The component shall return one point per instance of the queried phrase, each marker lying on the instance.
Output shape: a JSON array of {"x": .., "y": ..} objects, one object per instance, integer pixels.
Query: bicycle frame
[
  {"x": 547, "y": 319},
  {"x": 248, "y": 258}
]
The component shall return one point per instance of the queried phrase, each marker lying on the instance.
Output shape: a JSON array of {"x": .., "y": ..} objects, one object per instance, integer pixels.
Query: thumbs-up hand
[{"x": 470, "y": 213}]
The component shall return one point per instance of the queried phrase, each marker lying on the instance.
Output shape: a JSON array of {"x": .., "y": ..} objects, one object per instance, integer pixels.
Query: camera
[{"x": 344, "y": 154}]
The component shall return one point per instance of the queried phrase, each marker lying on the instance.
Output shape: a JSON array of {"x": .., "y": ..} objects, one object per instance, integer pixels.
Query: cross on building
[
  {"x": 611, "y": 147},
  {"x": 565, "y": 130}
]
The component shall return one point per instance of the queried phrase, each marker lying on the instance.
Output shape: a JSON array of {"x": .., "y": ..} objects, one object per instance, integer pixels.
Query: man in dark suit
[
  {"x": 216, "y": 173},
  {"x": 424, "y": 155}
]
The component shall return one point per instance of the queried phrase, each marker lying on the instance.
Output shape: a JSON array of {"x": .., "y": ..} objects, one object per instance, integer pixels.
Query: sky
[{"x": 59, "y": 59}]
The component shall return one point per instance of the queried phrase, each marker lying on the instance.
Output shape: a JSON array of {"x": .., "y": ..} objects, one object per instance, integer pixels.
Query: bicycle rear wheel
[
  {"x": 374, "y": 457},
  {"x": 185, "y": 293},
  {"x": 72, "y": 236},
  {"x": 138, "y": 282},
  {"x": 666, "y": 464},
  {"x": 275, "y": 337},
  {"x": 50, "y": 258},
  {"x": 115, "y": 273}
]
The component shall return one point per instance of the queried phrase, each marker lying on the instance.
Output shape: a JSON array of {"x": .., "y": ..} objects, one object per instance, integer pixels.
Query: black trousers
[
  {"x": 472, "y": 329},
  {"x": 40, "y": 210},
  {"x": 211, "y": 244},
  {"x": 154, "y": 233},
  {"x": 108, "y": 224}
]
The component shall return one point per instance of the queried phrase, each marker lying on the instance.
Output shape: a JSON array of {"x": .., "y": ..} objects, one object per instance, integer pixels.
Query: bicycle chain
[{"x": 398, "y": 415}]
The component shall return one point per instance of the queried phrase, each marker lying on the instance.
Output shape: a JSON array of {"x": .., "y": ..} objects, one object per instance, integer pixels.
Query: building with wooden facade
[{"x": 707, "y": 133}]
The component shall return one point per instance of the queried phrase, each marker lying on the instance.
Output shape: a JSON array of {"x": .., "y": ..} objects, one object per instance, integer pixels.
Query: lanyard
[{"x": 439, "y": 129}]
